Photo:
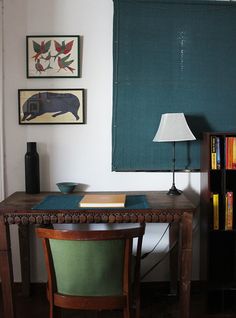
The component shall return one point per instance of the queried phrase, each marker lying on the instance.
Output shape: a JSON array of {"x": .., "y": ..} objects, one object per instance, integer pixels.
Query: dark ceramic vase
[{"x": 32, "y": 180}]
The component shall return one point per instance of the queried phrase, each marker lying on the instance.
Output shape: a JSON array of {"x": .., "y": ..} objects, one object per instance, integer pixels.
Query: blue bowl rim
[{"x": 67, "y": 184}]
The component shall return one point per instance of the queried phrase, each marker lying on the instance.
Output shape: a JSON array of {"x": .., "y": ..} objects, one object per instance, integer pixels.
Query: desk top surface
[
  {"x": 157, "y": 201},
  {"x": 162, "y": 208}
]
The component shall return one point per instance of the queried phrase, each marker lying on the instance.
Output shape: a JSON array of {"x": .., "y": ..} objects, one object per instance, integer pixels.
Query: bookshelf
[{"x": 218, "y": 220}]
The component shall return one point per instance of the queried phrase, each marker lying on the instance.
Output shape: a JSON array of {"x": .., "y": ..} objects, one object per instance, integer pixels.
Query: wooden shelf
[{"x": 218, "y": 247}]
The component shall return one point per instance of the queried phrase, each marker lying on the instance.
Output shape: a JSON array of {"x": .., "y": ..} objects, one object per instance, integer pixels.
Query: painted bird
[
  {"x": 63, "y": 48},
  {"x": 47, "y": 58},
  {"x": 41, "y": 48},
  {"x": 39, "y": 67},
  {"x": 64, "y": 64}
]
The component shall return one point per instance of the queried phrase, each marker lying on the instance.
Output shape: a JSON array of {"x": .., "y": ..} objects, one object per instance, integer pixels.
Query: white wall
[
  {"x": 1, "y": 107},
  {"x": 80, "y": 153}
]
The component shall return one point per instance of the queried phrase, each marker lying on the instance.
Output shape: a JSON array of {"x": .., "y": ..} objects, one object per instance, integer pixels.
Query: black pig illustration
[{"x": 47, "y": 102}]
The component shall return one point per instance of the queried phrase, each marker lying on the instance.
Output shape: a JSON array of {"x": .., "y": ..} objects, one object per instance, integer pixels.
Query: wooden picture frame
[
  {"x": 52, "y": 56},
  {"x": 51, "y": 106}
]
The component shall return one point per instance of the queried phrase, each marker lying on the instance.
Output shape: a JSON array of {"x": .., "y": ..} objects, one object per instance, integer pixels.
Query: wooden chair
[{"x": 93, "y": 269}]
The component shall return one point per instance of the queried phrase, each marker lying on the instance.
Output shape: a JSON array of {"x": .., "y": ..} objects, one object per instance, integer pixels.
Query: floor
[{"x": 154, "y": 305}]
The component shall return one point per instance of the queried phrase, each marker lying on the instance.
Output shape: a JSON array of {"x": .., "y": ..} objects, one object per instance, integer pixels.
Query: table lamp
[{"x": 173, "y": 127}]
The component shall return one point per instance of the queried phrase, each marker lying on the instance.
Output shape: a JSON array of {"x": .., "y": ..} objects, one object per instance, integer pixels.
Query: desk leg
[
  {"x": 6, "y": 272},
  {"x": 23, "y": 232},
  {"x": 185, "y": 264},
  {"x": 174, "y": 256}
]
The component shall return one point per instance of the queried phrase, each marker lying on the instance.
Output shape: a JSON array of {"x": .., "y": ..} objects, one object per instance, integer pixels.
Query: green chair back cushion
[{"x": 88, "y": 268}]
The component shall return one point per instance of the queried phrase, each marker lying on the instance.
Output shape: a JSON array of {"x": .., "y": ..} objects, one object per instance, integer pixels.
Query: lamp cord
[
  {"x": 146, "y": 254},
  {"x": 195, "y": 227},
  {"x": 173, "y": 170},
  {"x": 157, "y": 263}
]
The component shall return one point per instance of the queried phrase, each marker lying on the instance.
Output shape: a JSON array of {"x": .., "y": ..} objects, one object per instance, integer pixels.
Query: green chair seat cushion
[{"x": 88, "y": 268}]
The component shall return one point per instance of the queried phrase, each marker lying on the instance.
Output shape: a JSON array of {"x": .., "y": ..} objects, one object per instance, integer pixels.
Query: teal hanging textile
[{"x": 170, "y": 57}]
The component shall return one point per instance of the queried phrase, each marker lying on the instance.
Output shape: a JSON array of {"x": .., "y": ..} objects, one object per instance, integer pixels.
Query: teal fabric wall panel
[{"x": 170, "y": 57}]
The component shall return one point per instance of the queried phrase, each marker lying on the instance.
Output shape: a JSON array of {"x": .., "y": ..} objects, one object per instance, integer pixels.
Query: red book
[
  {"x": 229, "y": 211},
  {"x": 234, "y": 153}
]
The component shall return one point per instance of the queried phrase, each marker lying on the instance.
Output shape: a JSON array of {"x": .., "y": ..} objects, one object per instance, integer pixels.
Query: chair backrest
[{"x": 94, "y": 263}]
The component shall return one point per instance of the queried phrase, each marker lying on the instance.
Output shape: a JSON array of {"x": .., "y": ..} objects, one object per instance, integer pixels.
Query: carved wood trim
[{"x": 92, "y": 217}]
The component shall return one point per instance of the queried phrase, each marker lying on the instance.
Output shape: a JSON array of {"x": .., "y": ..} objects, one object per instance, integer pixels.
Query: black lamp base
[{"x": 174, "y": 191}]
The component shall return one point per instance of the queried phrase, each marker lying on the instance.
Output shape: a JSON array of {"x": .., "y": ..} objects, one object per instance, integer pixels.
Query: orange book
[
  {"x": 103, "y": 201},
  {"x": 229, "y": 149}
]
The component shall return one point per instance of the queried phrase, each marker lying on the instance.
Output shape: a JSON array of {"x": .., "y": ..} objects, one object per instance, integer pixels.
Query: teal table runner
[{"x": 71, "y": 202}]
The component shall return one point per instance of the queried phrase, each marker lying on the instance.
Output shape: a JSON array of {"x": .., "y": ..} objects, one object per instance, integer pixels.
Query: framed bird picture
[{"x": 53, "y": 56}]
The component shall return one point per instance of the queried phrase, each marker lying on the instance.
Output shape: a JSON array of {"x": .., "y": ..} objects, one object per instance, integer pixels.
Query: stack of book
[
  {"x": 229, "y": 151},
  {"x": 228, "y": 223}
]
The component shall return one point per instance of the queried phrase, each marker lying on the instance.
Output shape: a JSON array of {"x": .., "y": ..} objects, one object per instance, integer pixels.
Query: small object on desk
[
  {"x": 66, "y": 187},
  {"x": 103, "y": 201},
  {"x": 32, "y": 179}
]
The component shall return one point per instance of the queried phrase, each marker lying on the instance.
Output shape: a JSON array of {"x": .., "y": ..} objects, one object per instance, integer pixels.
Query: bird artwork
[
  {"x": 63, "y": 48},
  {"x": 48, "y": 57},
  {"x": 64, "y": 63},
  {"x": 40, "y": 48},
  {"x": 39, "y": 67},
  {"x": 54, "y": 55}
]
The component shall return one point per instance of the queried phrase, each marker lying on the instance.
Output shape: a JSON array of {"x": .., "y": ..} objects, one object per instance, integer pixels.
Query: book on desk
[{"x": 103, "y": 201}]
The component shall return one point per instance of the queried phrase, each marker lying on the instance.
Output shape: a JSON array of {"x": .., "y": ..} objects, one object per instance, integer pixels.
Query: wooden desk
[{"x": 16, "y": 209}]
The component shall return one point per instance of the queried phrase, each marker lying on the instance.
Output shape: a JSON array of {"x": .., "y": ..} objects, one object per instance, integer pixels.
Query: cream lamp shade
[{"x": 173, "y": 127}]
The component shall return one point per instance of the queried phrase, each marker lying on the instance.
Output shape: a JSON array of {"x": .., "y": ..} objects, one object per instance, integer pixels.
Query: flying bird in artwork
[
  {"x": 41, "y": 48},
  {"x": 63, "y": 48},
  {"x": 63, "y": 63}
]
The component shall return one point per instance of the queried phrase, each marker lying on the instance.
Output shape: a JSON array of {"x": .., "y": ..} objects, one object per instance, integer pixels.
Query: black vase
[{"x": 32, "y": 181}]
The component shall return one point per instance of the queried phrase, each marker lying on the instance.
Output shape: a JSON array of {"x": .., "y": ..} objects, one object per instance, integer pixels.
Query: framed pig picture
[
  {"x": 52, "y": 56},
  {"x": 51, "y": 106}
]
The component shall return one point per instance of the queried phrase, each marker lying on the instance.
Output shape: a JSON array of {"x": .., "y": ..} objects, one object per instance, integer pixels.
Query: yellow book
[
  {"x": 216, "y": 211},
  {"x": 103, "y": 201},
  {"x": 213, "y": 153}
]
